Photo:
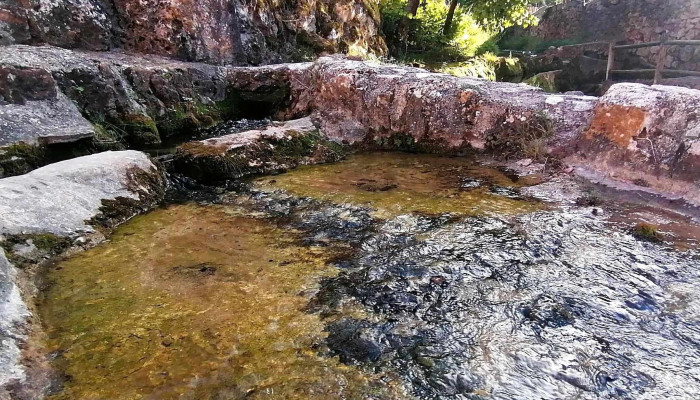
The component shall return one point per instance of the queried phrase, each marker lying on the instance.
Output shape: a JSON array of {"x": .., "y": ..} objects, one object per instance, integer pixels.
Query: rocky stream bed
[
  {"x": 193, "y": 205},
  {"x": 387, "y": 275}
]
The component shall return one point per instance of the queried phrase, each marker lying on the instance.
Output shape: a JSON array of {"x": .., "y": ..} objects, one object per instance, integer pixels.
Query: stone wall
[
  {"x": 630, "y": 21},
  {"x": 216, "y": 31}
]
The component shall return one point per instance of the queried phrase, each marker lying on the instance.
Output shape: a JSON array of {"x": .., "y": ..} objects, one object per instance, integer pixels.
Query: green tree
[{"x": 495, "y": 14}]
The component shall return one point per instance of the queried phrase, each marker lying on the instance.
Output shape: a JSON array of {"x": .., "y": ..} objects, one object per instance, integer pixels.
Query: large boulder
[
  {"x": 363, "y": 103},
  {"x": 40, "y": 213},
  {"x": 276, "y": 148},
  {"x": 646, "y": 134},
  {"x": 75, "y": 196}
]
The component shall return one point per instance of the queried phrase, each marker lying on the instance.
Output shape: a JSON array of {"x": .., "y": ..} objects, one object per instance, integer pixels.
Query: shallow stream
[{"x": 386, "y": 276}]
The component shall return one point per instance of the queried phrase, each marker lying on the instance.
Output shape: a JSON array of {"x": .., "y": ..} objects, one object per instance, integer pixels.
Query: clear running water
[{"x": 384, "y": 276}]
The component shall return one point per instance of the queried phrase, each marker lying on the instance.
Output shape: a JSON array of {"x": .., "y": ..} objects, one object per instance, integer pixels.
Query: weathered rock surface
[
  {"x": 43, "y": 122},
  {"x": 13, "y": 313},
  {"x": 649, "y": 135},
  {"x": 276, "y": 148},
  {"x": 144, "y": 99},
  {"x": 33, "y": 110},
  {"x": 69, "y": 197},
  {"x": 218, "y": 31},
  {"x": 359, "y": 102},
  {"x": 140, "y": 100}
]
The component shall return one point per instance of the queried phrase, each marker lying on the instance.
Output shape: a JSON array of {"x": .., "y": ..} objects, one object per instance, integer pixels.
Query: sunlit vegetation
[{"x": 452, "y": 31}]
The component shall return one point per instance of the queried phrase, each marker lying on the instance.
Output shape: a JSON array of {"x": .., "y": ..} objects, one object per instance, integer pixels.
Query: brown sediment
[
  {"x": 195, "y": 302},
  {"x": 396, "y": 183}
]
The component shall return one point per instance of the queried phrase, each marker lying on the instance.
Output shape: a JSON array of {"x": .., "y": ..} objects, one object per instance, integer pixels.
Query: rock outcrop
[
  {"x": 358, "y": 102},
  {"x": 646, "y": 135},
  {"x": 276, "y": 148},
  {"x": 139, "y": 100},
  {"x": 74, "y": 196},
  {"x": 33, "y": 110},
  {"x": 142, "y": 100},
  {"x": 216, "y": 31}
]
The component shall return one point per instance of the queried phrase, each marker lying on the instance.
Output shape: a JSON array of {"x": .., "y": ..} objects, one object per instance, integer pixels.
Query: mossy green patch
[
  {"x": 20, "y": 158},
  {"x": 141, "y": 130},
  {"x": 46, "y": 244},
  {"x": 216, "y": 163},
  {"x": 647, "y": 232},
  {"x": 545, "y": 81},
  {"x": 188, "y": 117}
]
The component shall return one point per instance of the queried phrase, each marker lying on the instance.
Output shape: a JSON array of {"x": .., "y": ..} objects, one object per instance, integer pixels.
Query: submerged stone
[{"x": 398, "y": 183}]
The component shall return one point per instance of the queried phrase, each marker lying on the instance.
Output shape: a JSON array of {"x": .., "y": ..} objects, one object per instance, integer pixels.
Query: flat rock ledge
[
  {"x": 273, "y": 149},
  {"x": 71, "y": 197}
]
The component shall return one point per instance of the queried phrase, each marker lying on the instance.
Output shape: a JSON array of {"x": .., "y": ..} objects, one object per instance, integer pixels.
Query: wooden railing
[{"x": 660, "y": 59}]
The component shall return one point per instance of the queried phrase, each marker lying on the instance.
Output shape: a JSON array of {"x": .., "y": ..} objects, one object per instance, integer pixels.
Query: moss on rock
[
  {"x": 187, "y": 117},
  {"x": 646, "y": 232},
  {"x": 266, "y": 154},
  {"x": 46, "y": 244},
  {"x": 141, "y": 130},
  {"x": 20, "y": 158},
  {"x": 521, "y": 136},
  {"x": 546, "y": 81}
]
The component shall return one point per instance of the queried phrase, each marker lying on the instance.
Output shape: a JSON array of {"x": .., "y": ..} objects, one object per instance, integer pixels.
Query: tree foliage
[
  {"x": 423, "y": 33},
  {"x": 499, "y": 14}
]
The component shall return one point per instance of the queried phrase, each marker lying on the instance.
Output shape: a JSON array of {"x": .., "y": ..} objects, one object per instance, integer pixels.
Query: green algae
[
  {"x": 195, "y": 302},
  {"x": 395, "y": 183}
]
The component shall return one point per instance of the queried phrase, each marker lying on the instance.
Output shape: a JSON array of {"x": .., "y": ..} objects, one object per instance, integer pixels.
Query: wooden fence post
[
  {"x": 611, "y": 60},
  {"x": 660, "y": 61}
]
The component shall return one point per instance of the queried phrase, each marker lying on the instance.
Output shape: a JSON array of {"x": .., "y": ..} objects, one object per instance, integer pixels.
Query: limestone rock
[
  {"x": 13, "y": 315},
  {"x": 276, "y": 148},
  {"x": 142, "y": 100},
  {"x": 359, "y": 102},
  {"x": 43, "y": 121},
  {"x": 649, "y": 133},
  {"x": 69, "y": 197},
  {"x": 32, "y": 109}
]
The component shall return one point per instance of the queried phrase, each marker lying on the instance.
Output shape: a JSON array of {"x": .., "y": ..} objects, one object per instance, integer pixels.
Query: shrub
[
  {"x": 485, "y": 66},
  {"x": 531, "y": 43}
]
